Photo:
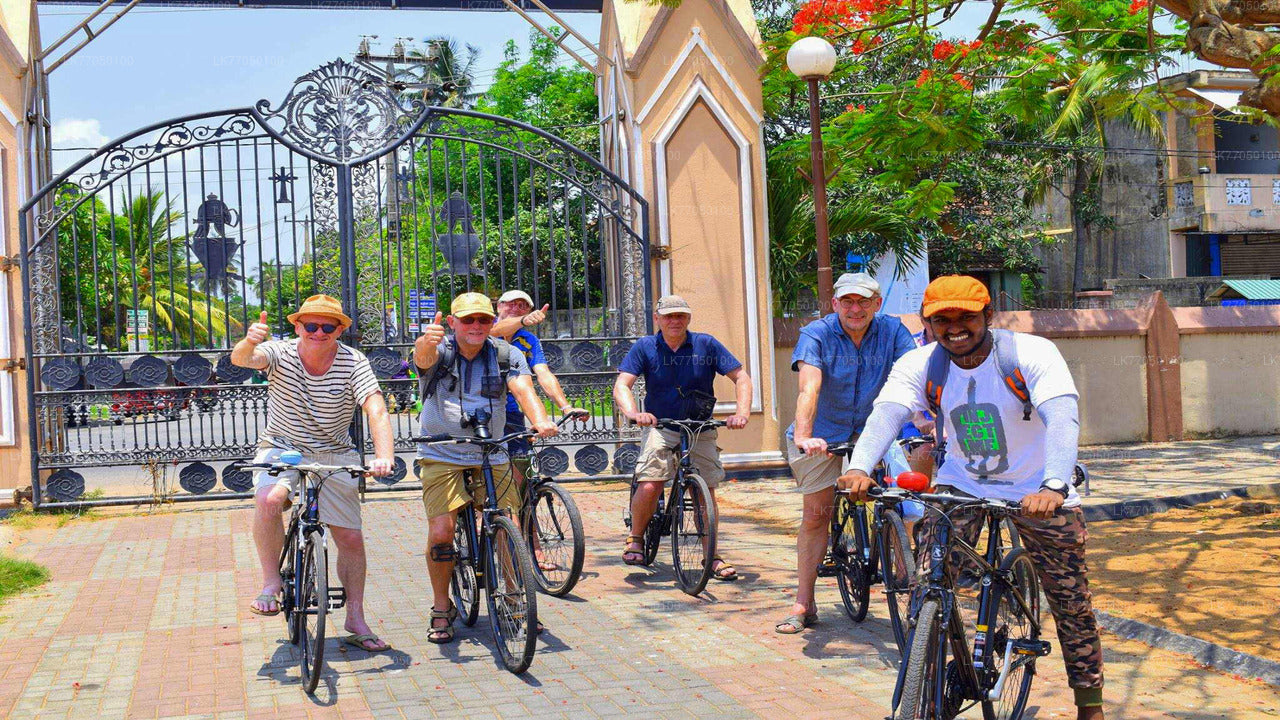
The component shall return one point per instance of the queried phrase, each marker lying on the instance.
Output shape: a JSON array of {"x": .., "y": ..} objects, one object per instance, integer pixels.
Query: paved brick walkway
[{"x": 145, "y": 617}]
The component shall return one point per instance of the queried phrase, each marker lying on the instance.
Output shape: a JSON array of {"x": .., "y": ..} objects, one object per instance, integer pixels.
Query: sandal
[
  {"x": 263, "y": 599},
  {"x": 725, "y": 571},
  {"x": 795, "y": 623},
  {"x": 633, "y": 557},
  {"x": 442, "y": 635},
  {"x": 358, "y": 641}
]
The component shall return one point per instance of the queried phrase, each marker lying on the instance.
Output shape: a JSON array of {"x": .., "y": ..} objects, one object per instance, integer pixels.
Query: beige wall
[
  {"x": 1231, "y": 383},
  {"x": 14, "y": 44},
  {"x": 1109, "y": 373}
]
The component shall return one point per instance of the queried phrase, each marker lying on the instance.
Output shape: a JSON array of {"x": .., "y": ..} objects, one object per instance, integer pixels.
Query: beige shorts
[
  {"x": 813, "y": 473},
  {"x": 657, "y": 461},
  {"x": 339, "y": 495},
  {"x": 443, "y": 488}
]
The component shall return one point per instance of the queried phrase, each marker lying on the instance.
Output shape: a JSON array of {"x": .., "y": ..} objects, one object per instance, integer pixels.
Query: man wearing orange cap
[
  {"x": 315, "y": 385},
  {"x": 1007, "y": 428}
]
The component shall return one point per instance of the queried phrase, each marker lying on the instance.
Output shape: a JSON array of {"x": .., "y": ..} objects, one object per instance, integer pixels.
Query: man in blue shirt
[
  {"x": 843, "y": 360},
  {"x": 677, "y": 365}
]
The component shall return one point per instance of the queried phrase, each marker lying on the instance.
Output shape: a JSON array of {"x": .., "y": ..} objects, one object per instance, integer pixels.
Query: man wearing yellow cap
[
  {"x": 315, "y": 385},
  {"x": 1007, "y": 428},
  {"x": 480, "y": 372}
]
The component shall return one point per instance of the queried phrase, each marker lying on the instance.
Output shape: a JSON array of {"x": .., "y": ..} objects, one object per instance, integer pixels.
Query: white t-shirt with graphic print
[{"x": 991, "y": 451}]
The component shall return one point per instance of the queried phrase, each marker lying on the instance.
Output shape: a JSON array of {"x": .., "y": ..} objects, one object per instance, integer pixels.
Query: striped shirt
[{"x": 313, "y": 412}]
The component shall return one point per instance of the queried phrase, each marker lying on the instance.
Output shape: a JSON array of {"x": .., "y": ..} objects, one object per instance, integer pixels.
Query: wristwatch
[{"x": 1057, "y": 486}]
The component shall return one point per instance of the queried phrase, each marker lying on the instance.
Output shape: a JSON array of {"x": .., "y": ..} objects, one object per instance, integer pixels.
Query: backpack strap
[
  {"x": 445, "y": 356},
  {"x": 935, "y": 379},
  {"x": 1005, "y": 348},
  {"x": 504, "y": 356}
]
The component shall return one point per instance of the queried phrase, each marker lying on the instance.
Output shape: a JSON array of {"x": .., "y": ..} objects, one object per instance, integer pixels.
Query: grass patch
[
  {"x": 18, "y": 575},
  {"x": 27, "y": 518}
]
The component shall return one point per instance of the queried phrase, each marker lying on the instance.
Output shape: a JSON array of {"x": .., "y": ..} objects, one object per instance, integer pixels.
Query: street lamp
[{"x": 812, "y": 59}]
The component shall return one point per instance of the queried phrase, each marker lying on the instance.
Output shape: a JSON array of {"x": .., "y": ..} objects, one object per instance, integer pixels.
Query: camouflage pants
[{"x": 1056, "y": 548}]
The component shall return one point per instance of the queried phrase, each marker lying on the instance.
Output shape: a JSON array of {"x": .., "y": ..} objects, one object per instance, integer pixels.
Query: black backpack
[
  {"x": 1005, "y": 349},
  {"x": 447, "y": 365}
]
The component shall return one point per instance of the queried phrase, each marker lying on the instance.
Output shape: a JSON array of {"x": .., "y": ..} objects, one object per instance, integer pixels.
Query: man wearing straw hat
[{"x": 316, "y": 383}]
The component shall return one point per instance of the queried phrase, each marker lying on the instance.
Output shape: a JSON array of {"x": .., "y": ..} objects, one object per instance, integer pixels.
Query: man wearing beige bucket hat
[{"x": 315, "y": 385}]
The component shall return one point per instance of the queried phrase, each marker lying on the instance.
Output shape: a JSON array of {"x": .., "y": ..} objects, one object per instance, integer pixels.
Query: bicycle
[
  {"x": 304, "y": 563},
  {"x": 998, "y": 670},
  {"x": 553, "y": 527},
  {"x": 504, "y": 565},
  {"x": 688, "y": 515},
  {"x": 863, "y": 554}
]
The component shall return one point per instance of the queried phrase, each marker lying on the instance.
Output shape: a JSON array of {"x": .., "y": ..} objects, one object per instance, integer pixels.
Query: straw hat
[{"x": 322, "y": 305}]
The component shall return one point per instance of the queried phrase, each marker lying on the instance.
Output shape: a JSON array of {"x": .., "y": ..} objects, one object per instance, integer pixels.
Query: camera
[{"x": 478, "y": 420}]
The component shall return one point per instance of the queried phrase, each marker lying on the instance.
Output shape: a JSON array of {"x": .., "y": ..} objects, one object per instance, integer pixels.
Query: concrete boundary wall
[{"x": 1153, "y": 373}]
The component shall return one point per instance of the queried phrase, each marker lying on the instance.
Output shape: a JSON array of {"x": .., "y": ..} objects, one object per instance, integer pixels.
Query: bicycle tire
[
  {"x": 559, "y": 537},
  {"x": 920, "y": 681},
  {"x": 693, "y": 546},
  {"x": 288, "y": 561},
  {"x": 513, "y": 612},
  {"x": 464, "y": 584},
  {"x": 898, "y": 568},
  {"x": 1018, "y": 566},
  {"x": 853, "y": 576},
  {"x": 315, "y": 592}
]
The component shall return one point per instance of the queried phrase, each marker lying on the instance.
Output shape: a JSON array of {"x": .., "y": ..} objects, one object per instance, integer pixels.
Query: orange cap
[{"x": 955, "y": 292}]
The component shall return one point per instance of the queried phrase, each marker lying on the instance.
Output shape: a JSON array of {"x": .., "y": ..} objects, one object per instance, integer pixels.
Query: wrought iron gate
[{"x": 144, "y": 263}]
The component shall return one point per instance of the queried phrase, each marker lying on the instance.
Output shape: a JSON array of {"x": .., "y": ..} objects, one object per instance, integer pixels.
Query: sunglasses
[
  {"x": 328, "y": 328},
  {"x": 473, "y": 319}
]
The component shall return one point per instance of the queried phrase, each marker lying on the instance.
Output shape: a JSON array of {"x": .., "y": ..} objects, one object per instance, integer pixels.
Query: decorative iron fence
[{"x": 146, "y": 261}]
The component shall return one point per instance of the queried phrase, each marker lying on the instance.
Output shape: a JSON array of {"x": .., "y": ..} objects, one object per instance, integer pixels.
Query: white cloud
[{"x": 72, "y": 132}]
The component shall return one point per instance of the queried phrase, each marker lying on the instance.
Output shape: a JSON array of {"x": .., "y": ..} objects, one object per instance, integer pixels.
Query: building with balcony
[{"x": 1223, "y": 182}]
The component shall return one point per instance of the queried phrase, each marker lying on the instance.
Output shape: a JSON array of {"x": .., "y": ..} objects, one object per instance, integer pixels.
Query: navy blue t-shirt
[
  {"x": 693, "y": 366},
  {"x": 529, "y": 344}
]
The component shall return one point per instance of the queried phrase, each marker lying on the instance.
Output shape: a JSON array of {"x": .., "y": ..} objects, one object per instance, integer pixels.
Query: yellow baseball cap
[{"x": 471, "y": 303}]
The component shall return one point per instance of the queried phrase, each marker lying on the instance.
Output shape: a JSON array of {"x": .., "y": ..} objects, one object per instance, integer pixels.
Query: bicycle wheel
[
  {"x": 553, "y": 527},
  {"x": 513, "y": 597},
  {"x": 693, "y": 534},
  {"x": 898, "y": 566},
  {"x": 921, "y": 698},
  {"x": 313, "y": 608},
  {"x": 654, "y": 531},
  {"x": 1007, "y": 620},
  {"x": 850, "y": 554},
  {"x": 288, "y": 561},
  {"x": 465, "y": 587}
]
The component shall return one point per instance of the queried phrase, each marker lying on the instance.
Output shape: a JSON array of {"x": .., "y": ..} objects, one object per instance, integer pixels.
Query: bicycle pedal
[
  {"x": 337, "y": 598},
  {"x": 1039, "y": 648},
  {"x": 828, "y": 568}
]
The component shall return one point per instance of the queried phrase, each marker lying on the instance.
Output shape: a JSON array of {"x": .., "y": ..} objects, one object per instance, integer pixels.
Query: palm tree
[{"x": 448, "y": 69}]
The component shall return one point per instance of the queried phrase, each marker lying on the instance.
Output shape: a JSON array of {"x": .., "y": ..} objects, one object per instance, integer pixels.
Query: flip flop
[
  {"x": 547, "y": 565},
  {"x": 265, "y": 598},
  {"x": 633, "y": 557},
  {"x": 358, "y": 641},
  {"x": 725, "y": 572},
  {"x": 796, "y": 623}
]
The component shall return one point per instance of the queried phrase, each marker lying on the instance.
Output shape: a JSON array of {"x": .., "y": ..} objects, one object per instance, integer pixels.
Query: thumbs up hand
[
  {"x": 433, "y": 332},
  {"x": 535, "y": 317},
  {"x": 260, "y": 331}
]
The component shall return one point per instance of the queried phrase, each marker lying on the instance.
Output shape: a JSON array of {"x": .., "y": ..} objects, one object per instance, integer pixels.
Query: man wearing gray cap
[
  {"x": 843, "y": 360},
  {"x": 679, "y": 368}
]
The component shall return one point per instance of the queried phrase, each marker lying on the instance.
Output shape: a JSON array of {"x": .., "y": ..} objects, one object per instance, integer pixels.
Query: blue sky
[{"x": 156, "y": 63}]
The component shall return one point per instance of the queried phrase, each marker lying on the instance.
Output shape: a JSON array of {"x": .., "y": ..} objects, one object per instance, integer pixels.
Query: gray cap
[
  {"x": 858, "y": 283},
  {"x": 510, "y": 295},
  {"x": 668, "y": 304}
]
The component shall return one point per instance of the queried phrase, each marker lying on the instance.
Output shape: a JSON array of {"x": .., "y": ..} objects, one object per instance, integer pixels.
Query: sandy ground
[{"x": 1209, "y": 572}]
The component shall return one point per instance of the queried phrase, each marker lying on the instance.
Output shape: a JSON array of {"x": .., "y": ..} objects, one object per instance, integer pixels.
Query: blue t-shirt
[
  {"x": 851, "y": 376},
  {"x": 529, "y": 344},
  {"x": 670, "y": 376}
]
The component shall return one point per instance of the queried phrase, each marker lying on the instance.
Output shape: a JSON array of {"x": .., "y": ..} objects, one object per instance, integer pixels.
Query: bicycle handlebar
[
  {"x": 690, "y": 425},
  {"x": 897, "y": 494},
  {"x": 278, "y": 467},
  {"x": 449, "y": 439}
]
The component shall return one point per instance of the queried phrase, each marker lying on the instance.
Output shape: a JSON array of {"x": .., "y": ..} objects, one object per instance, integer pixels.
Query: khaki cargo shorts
[
  {"x": 813, "y": 473},
  {"x": 339, "y": 495},
  {"x": 444, "y": 491},
  {"x": 657, "y": 460}
]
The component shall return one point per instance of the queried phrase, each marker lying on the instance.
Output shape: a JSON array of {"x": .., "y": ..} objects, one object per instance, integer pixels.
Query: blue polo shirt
[
  {"x": 851, "y": 376},
  {"x": 529, "y": 344},
  {"x": 692, "y": 366}
]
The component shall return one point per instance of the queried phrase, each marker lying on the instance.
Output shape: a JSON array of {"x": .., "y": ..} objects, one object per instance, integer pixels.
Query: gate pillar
[{"x": 682, "y": 112}]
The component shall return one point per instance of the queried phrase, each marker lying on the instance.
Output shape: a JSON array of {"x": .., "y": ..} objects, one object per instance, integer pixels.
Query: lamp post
[{"x": 812, "y": 59}]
